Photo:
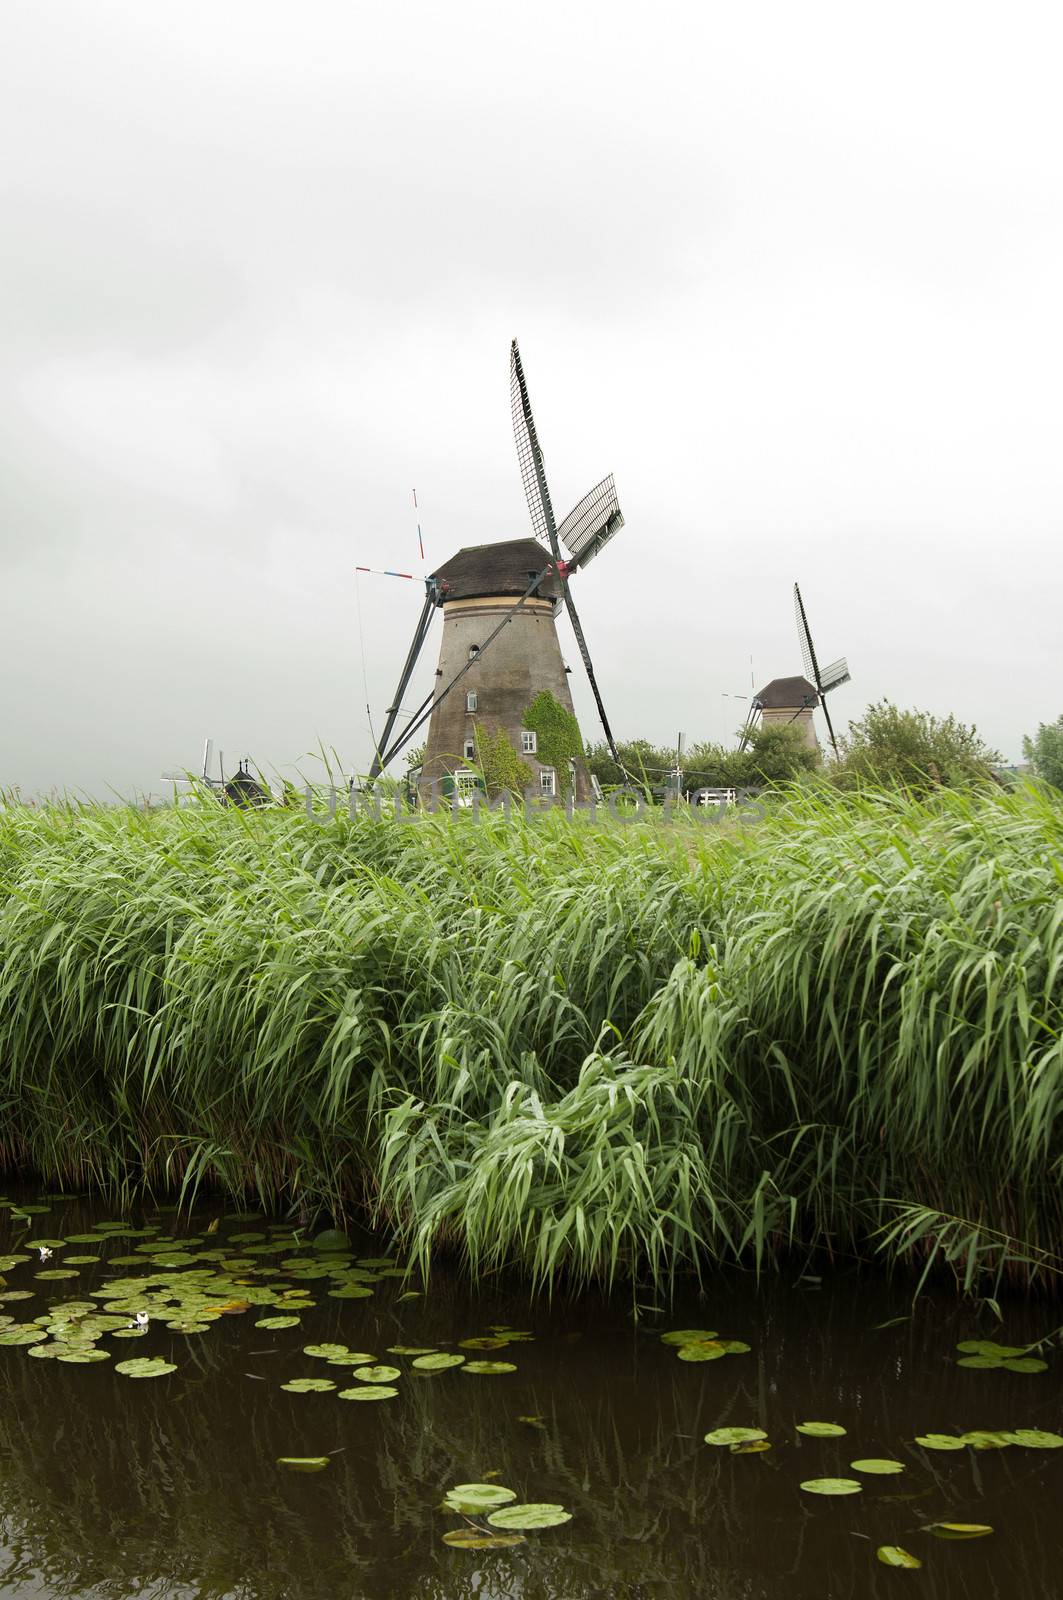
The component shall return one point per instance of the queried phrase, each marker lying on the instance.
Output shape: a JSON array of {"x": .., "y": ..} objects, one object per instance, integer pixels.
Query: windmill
[
  {"x": 791, "y": 701},
  {"x": 504, "y": 598},
  {"x": 826, "y": 678}
]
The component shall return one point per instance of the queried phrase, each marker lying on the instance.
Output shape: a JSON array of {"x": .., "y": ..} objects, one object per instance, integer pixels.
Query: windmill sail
[
  {"x": 591, "y": 523},
  {"x": 532, "y": 471},
  {"x": 533, "y": 476},
  {"x": 832, "y": 676},
  {"x": 824, "y": 679}
]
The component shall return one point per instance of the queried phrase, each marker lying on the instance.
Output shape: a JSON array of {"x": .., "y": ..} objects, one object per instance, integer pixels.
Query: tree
[
  {"x": 1044, "y": 752},
  {"x": 913, "y": 750},
  {"x": 776, "y": 753}
]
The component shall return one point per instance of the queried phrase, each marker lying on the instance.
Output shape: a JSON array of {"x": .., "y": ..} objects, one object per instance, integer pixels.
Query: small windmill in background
[
  {"x": 826, "y": 678},
  {"x": 791, "y": 701}
]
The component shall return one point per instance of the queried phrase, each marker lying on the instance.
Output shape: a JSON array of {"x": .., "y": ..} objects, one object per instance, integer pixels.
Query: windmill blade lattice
[
  {"x": 533, "y": 476},
  {"x": 591, "y": 523},
  {"x": 530, "y": 457},
  {"x": 827, "y": 679}
]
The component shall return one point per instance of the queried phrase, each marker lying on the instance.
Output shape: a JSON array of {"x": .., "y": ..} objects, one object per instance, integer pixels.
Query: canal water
[{"x": 179, "y": 1484}]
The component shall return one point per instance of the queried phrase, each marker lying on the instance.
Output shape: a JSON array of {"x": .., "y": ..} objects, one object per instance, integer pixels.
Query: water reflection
[{"x": 111, "y": 1488}]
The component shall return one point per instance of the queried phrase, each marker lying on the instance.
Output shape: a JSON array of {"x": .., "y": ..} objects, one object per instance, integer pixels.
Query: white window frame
[
  {"x": 529, "y": 742},
  {"x": 469, "y": 753},
  {"x": 470, "y": 700},
  {"x": 548, "y": 780},
  {"x": 474, "y": 651}
]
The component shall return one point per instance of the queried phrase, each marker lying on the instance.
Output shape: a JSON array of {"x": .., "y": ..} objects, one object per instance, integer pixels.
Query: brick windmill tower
[{"x": 500, "y": 660}]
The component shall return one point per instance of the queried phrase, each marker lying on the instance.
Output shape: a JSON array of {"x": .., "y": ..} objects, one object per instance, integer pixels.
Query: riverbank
[{"x": 586, "y": 1050}]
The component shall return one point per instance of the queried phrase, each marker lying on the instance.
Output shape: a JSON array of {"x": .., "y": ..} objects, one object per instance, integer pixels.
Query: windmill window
[
  {"x": 470, "y": 750},
  {"x": 547, "y": 782},
  {"x": 470, "y": 700},
  {"x": 474, "y": 651},
  {"x": 528, "y": 743}
]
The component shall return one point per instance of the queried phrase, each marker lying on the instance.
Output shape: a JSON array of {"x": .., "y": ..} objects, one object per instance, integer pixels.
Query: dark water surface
[{"x": 114, "y": 1487}]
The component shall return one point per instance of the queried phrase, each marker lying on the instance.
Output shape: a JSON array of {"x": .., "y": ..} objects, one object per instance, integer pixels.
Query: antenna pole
[{"x": 424, "y": 622}]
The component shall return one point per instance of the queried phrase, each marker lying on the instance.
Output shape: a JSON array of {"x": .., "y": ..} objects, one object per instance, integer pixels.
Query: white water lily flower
[{"x": 43, "y": 1251}]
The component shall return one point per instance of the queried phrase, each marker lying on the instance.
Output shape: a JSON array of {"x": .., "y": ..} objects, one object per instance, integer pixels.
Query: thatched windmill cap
[
  {"x": 787, "y": 694},
  {"x": 508, "y": 568}
]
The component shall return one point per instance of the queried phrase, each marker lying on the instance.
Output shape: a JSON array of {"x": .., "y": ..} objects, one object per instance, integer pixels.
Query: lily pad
[
  {"x": 376, "y": 1374},
  {"x": 329, "y": 1239},
  {"x": 940, "y": 1441},
  {"x": 489, "y": 1368},
  {"x": 1036, "y": 1439},
  {"x": 57, "y": 1272},
  {"x": 989, "y": 1347},
  {"x": 473, "y": 1498},
  {"x": 957, "y": 1530},
  {"x": 308, "y": 1385},
  {"x": 533, "y": 1515},
  {"x": 438, "y": 1363},
  {"x": 89, "y": 1354},
  {"x": 1019, "y": 1364},
  {"x": 145, "y": 1367},
  {"x": 703, "y": 1350},
  {"x": 831, "y": 1486},
  {"x": 369, "y": 1391},
  {"x": 688, "y": 1336},
  {"x": 477, "y": 1539},
  {"x": 411, "y": 1349},
  {"x": 877, "y": 1466},
  {"x": 753, "y": 1448},
  {"x": 891, "y": 1555},
  {"x": 984, "y": 1439},
  {"x": 303, "y": 1463},
  {"x": 325, "y": 1351},
  {"x": 22, "y": 1333},
  {"x": 277, "y": 1322},
  {"x": 733, "y": 1436},
  {"x": 821, "y": 1430},
  {"x": 350, "y": 1291}
]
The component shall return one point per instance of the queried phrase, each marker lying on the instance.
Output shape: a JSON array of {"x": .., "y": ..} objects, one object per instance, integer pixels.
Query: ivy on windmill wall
[
  {"x": 557, "y": 736},
  {"x": 503, "y": 770}
]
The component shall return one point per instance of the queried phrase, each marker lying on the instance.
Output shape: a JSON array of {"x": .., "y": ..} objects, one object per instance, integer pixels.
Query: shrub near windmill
[{"x": 501, "y": 679}]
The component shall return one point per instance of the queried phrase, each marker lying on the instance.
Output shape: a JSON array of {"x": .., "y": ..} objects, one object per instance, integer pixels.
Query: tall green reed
[{"x": 588, "y": 1050}]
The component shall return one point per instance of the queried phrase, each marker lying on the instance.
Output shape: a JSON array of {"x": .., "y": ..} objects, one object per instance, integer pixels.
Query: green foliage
[
  {"x": 558, "y": 737},
  {"x": 587, "y": 1051},
  {"x": 775, "y": 754},
  {"x": 914, "y": 751},
  {"x": 1044, "y": 752},
  {"x": 502, "y": 769}
]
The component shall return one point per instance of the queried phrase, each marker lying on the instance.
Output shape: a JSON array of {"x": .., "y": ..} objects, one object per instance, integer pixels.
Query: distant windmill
[
  {"x": 504, "y": 598},
  {"x": 823, "y": 678},
  {"x": 791, "y": 701}
]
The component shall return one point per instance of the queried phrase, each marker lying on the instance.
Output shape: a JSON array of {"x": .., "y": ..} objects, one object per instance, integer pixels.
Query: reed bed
[{"x": 584, "y": 1050}]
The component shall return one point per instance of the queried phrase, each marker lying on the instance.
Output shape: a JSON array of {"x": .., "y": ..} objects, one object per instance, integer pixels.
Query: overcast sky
[{"x": 792, "y": 272}]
